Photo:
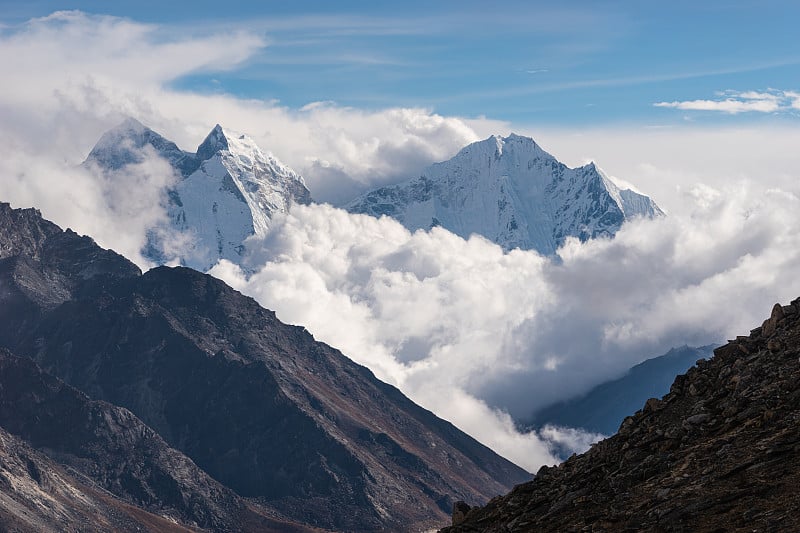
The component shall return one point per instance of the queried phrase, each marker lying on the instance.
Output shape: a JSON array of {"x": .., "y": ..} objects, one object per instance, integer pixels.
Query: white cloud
[
  {"x": 474, "y": 333},
  {"x": 76, "y": 75},
  {"x": 84, "y": 60},
  {"x": 425, "y": 311},
  {"x": 739, "y": 102},
  {"x": 569, "y": 438},
  {"x": 116, "y": 210},
  {"x": 795, "y": 98}
]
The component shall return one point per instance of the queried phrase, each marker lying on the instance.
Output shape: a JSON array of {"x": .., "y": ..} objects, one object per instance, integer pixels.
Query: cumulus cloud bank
[
  {"x": 479, "y": 336},
  {"x": 116, "y": 209}
]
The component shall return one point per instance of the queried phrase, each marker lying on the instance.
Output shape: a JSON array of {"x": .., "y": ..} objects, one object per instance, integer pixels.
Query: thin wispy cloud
[{"x": 734, "y": 102}]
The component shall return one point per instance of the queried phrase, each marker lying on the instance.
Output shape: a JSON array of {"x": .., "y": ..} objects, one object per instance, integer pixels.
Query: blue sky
[{"x": 581, "y": 63}]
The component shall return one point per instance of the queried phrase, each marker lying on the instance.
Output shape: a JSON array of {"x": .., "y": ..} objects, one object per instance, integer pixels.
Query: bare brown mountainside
[
  {"x": 113, "y": 456},
  {"x": 260, "y": 406}
]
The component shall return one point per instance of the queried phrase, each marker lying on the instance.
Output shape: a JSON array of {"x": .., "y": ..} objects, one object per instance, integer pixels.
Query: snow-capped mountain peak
[
  {"x": 263, "y": 183},
  {"x": 215, "y": 141},
  {"x": 230, "y": 189},
  {"x": 125, "y": 144},
  {"x": 513, "y": 192}
]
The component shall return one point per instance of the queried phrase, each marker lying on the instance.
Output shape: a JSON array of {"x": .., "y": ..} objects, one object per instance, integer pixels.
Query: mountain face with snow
[
  {"x": 225, "y": 192},
  {"x": 512, "y": 192}
]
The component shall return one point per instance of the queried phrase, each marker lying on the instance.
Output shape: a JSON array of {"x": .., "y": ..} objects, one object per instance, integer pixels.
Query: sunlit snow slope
[
  {"x": 512, "y": 192},
  {"x": 226, "y": 192}
]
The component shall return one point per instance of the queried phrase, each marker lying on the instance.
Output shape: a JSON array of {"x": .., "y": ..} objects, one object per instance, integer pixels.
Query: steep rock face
[
  {"x": 42, "y": 266},
  {"x": 720, "y": 452},
  {"x": 513, "y": 193},
  {"x": 24, "y": 233},
  {"x": 226, "y": 192},
  {"x": 110, "y": 446},
  {"x": 257, "y": 404},
  {"x": 38, "y": 495}
]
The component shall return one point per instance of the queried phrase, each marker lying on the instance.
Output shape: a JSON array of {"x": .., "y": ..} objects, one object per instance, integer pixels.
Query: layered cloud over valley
[{"x": 475, "y": 334}]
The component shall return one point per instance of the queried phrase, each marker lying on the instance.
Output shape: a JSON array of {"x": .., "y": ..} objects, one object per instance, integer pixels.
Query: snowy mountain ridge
[
  {"x": 507, "y": 189},
  {"x": 512, "y": 192},
  {"x": 227, "y": 191}
]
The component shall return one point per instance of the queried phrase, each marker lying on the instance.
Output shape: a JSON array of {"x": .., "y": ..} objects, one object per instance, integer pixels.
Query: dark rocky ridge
[
  {"x": 111, "y": 446},
  {"x": 257, "y": 404},
  {"x": 38, "y": 495},
  {"x": 720, "y": 452},
  {"x": 108, "y": 454},
  {"x": 42, "y": 266}
]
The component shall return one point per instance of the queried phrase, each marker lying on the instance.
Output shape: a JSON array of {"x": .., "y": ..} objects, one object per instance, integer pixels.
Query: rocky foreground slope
[
  {"x": 111, "y": 447},
  {"x": 263, "y": 411},
  {"x": 720, "y": 452},
  {"x": 38, "y": 494}
]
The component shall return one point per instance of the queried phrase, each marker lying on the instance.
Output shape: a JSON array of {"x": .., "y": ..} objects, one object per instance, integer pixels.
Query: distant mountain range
[
  {"x": 602, "y": 409},
  {"x": 507, "y": 189},
  {"x": 169, "y": 395}
]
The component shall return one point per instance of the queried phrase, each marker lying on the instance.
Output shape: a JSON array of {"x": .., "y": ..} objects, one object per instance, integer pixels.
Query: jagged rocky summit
[
  {"x": 169, "y": 395},
  {"x": 224, "y": 193},
  {"x": 512, "y": 192},
  {"x": 719, "y": 452}
]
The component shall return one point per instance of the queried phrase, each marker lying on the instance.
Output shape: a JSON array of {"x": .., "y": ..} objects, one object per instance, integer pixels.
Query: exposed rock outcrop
[
  {"x": 39, "y": 495},
  {"x": 112, "y": 447},
  {"x": 720, "y": 452}
]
